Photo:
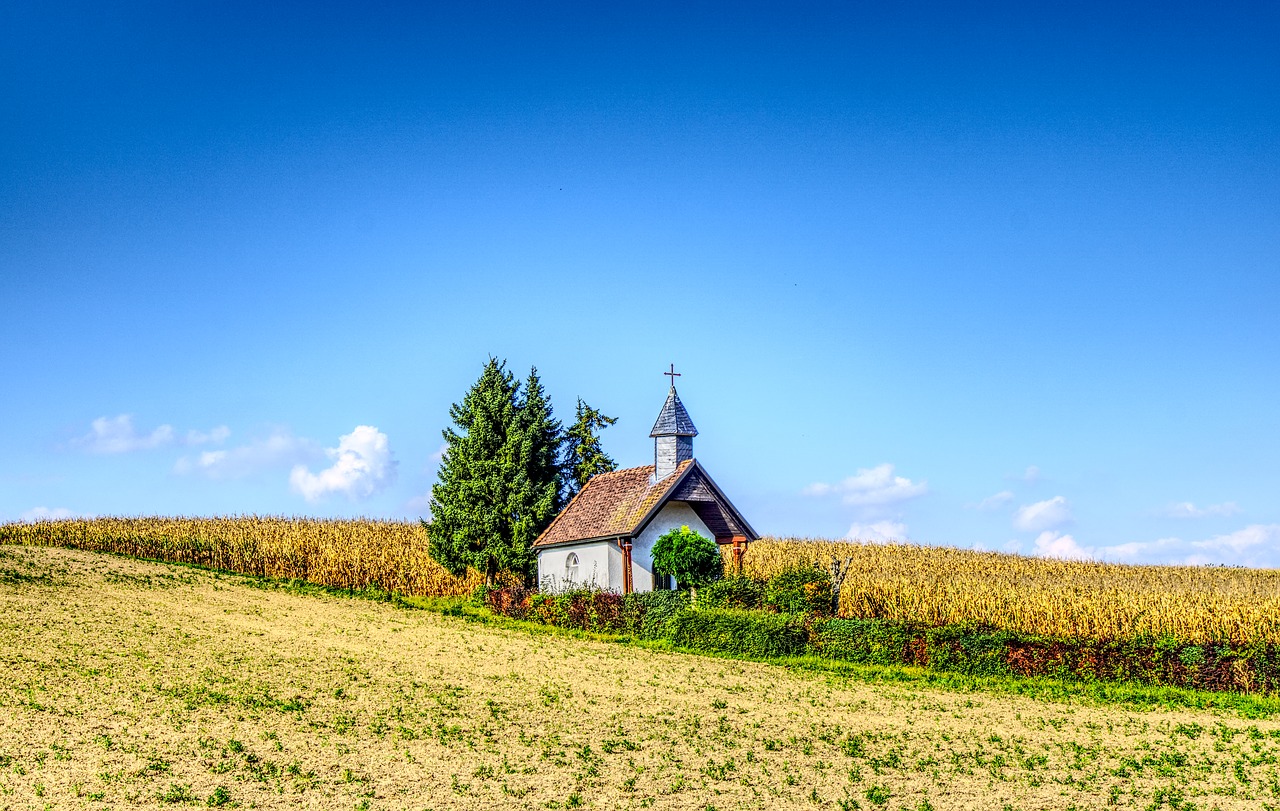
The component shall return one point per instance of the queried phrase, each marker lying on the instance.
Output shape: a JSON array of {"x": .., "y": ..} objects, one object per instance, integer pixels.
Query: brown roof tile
[{"x": 611, "y": 504}]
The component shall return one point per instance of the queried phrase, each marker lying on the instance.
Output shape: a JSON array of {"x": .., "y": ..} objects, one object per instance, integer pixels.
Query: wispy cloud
[
  {"x": 46, "y": 514},
  {"x": 420, "y": 505},
  {"x": 871, "y": 487},
  {"x": 109, "y": 435},
  {"x": 1031, "y": 475},
  {"x": 1257, "y": 545},
  {"x": 1043, "y": 515},
  {"x": 279, "y": 449},
  {"x": 993, "y": 502},
  {"x": 1185, "y": 509},
  {"x": 115, "y": 435},
  {"x": 878, "y": 532},
  {"x": 362, "y": 466},
  {"x": 216, "y": 437}
]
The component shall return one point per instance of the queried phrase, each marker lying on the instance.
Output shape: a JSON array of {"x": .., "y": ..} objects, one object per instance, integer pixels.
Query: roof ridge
[
  {"x": 621, "y": 470},
  {"x": 674, "y": 471}
]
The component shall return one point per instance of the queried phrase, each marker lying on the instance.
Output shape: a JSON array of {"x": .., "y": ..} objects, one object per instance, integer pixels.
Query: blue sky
[{"x": 1003, "y": 278}]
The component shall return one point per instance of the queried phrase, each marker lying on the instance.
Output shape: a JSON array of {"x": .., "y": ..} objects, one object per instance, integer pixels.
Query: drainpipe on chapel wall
[{"x": 626, "y": 566}]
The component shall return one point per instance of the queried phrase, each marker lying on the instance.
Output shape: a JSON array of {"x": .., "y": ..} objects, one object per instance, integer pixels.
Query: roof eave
[
  {"x": 575, "y": 541},
  {"x": 751, "y": 532}
]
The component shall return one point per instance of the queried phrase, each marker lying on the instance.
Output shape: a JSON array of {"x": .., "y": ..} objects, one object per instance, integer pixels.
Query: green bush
[
  {"x": 740, "y": 633},
  {"x": 692, "y": 558},
  {"x": 799, "y": 590},
  {"x": 868, "y": 642},
  {"x": 653, "y": 610},
  {"x": 970, "y": 650},
  {"x": 733, "y": 592}
]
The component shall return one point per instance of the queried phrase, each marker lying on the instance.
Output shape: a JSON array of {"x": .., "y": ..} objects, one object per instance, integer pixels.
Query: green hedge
[
  {"x": 655, "y": 610},
  {"x": 980, "y": 651},
  {"x": 733, "y": 592},
  {"x": 869, "y": 642},
  {"x": 741, "y": 633},
  {"x": 799, "y": 590},
  {"x": 966, "y": 649}
]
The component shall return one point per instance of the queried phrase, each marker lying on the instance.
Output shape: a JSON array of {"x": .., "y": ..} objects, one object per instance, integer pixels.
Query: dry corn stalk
[{"x": 938, "y": 586}]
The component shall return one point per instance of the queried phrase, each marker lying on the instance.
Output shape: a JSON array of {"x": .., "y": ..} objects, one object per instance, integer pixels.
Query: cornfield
[
  {"x": 1062, "y": 599},
  {"x": 925, "y": 585},
  {"x": 390, "y": 556}
]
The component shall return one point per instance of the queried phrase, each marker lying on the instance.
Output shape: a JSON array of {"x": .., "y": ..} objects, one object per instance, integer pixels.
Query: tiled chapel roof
[{"x": 610, "y": 505}]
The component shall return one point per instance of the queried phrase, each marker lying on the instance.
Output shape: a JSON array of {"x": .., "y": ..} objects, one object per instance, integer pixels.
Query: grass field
[{"x": 130, "y": 683}]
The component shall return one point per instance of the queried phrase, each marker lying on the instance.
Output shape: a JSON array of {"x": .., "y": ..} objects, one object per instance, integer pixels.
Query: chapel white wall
[{"x": 599, "y": 566}]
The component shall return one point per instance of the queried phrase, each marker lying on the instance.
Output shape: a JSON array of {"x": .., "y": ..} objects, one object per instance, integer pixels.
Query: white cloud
[
  {"x": 1043, "y": 515},
  {"x": 46, "y": 514},
  {"x": 112, "y": 435},
  {"x": 117, "y": 435},
  {"x": 871, "y": 487},
  {"x": 1162, "y": 550},
  {"x": 878, "y": 532},
  {"x": 1051, "y": 544},
  {"x": 994, "y": 502},
  {"x": 1257, "y": 545},
  {"x": 420, "y": 506},
  {"x": 1245, "y": 539},
  {"x": 362, "y": 466},
  {"x": 1186, "y": 509},
  {"x": 279, "y": 449},
  {"x": 216, "y": 437},
  {"x": 1031, "y": 475}
]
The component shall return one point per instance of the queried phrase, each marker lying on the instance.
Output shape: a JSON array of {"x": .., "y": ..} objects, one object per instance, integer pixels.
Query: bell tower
[{"x": 672, "y": 434}]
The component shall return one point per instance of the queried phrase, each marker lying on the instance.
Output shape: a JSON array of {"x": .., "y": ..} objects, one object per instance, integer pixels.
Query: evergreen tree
[
  {"x": 583, "y": 456},
  {"x": 499, "y": 482},
  {"x": 537, "y": 483}
]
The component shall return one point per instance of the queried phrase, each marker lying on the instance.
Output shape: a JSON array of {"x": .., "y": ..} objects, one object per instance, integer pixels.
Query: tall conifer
[
  {"x": 499, "y": 481},
  {"x": 583, "y": 456},
  {"x": 535, "y": 494},
  {"x": 468, "y": 503}
]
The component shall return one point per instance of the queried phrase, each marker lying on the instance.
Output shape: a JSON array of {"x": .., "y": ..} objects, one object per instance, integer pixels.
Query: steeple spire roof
[{"x": 673, "y": 420}]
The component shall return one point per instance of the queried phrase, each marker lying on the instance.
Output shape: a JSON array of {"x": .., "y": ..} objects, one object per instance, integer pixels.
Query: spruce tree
[
  {"x": 536, "y": 486},
  {"x": 499, "y": 483},
  {"x": 583, "y": 456},
  {"x": 469, "y": 500}
]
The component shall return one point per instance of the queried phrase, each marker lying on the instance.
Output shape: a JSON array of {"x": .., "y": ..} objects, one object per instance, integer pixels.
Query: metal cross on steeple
[{"x": 673, "y": 374}]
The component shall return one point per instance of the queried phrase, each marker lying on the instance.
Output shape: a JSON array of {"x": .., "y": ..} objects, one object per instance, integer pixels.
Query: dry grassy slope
[{"x": 129, "y": 683}]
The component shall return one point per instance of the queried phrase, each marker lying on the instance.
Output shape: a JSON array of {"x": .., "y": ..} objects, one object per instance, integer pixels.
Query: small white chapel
[{"x": 604, "y": 537}]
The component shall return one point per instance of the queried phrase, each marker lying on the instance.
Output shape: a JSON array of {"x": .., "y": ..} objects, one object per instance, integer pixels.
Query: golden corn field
[
  {"x": 349, "y": 554},
  {"x": 925, "y": 585},
  {"x": 937, "y": 586}
]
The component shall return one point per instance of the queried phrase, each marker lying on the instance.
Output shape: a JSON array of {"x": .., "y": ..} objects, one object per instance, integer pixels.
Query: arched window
[{"x": 571, "y": 567}]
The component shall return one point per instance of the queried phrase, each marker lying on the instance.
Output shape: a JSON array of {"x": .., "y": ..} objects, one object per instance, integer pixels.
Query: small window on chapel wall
[{"x": 571, "y": 567}]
